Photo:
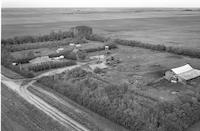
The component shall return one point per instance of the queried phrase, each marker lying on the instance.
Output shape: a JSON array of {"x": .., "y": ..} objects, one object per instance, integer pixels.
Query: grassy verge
[{"x": 19, "y": 115}]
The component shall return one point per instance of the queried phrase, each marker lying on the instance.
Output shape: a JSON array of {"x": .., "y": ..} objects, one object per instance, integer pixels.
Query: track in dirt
[{"x": 40, "y": 104}]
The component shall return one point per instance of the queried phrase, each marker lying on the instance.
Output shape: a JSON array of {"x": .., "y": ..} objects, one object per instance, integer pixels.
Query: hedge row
[
  {"x": 32, "y": 39},
  {"x": 176, "y": 50},
  {"x": 50, "y": 65}
]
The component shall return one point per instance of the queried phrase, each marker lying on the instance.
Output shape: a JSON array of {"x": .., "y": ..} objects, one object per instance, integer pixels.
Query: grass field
[
  {"x": 18, "y": 115},
  {"x": 176, "y": 27}
]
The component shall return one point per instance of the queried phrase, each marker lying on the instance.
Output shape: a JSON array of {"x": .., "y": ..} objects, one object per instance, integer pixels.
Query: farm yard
[
  {"x": 139, "y": 74},
  {"x": 122, "y": 64}
]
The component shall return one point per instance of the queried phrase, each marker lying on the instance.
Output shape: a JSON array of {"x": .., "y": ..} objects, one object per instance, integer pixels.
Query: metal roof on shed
[
  {"x": 182, "y": 69},
  {"x": 186, "y": 72}
]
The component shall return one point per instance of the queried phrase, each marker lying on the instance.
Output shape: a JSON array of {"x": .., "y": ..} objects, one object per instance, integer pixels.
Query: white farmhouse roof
[{"x": 186, "y": 72}]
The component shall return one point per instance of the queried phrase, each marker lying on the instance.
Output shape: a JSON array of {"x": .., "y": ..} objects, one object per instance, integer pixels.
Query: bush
[{"x": 77, "y": 73}]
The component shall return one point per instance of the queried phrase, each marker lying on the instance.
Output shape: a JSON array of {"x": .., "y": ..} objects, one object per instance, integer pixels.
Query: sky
[{"x": 100, "y": 3}]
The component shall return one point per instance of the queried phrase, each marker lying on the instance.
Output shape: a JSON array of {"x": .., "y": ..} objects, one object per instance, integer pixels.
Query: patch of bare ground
[{"x": 19, "y": 115}]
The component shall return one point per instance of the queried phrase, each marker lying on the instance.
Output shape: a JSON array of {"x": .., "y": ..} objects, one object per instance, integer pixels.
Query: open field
[
  {"x": 176, "y": 27},
  {"x": 18, "y": 115}
]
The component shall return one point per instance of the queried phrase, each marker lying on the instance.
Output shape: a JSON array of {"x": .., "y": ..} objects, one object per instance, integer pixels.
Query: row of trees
[
  {"x": 170, "y": 49},
  {"x": 28, "y": 46},
  {"x": 119, "y": 104},
  {"x": 50, "y": 65},
  {"x": 176, "y": 50},
  {"x": 33, "y": 39}
]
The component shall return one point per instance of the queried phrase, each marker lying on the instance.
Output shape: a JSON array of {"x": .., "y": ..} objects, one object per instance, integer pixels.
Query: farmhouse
[
  {"x": 182, "y": 74},
  {"x": 81, "y": 31},
  {"x": 40, "y": 60}
]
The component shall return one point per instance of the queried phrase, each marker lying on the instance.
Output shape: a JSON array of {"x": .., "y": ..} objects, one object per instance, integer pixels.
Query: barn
[
  {"x": 81, "y": 31},
  {"x": 182, "y": 74}
]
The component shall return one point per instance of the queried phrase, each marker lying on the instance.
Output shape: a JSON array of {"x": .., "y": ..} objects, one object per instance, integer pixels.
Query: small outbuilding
[
  {"x": 182, "y": 74},
  {"x": 81, "y": 31}
]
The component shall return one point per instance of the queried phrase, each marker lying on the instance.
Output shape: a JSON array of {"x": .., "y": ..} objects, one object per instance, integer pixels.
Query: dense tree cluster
[
  {"x": 7, "y": 59},
  {"x": 95, "y": 37},
  {"x": 118, "y": 103},
  {"x": 50, "y": 65},
  {"x": 33, "y": 39}
]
